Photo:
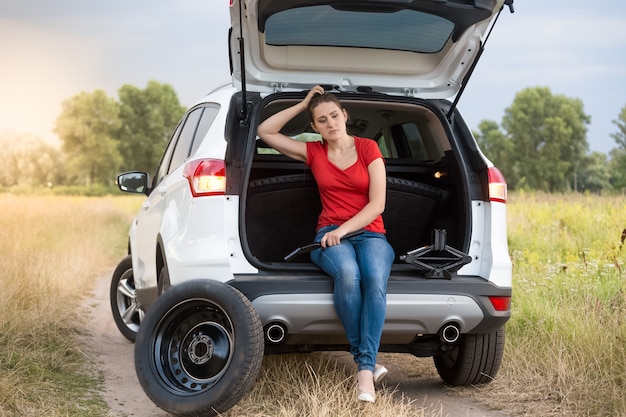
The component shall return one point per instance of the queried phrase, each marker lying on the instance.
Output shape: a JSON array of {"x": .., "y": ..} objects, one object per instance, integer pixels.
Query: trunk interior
[{"x": 424, "y": 190}]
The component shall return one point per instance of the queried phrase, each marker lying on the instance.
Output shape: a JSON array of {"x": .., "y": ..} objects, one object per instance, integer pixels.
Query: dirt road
[{"x": 114, "y": 356}]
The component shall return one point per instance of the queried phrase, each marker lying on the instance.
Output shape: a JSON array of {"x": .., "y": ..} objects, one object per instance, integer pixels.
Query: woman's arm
[
  {"x": 269, "y": 130},
  {"x": 375, "y": 206}
]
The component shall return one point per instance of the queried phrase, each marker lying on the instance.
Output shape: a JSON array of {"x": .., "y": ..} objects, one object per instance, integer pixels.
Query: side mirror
[{"x": 133, "y": 182}]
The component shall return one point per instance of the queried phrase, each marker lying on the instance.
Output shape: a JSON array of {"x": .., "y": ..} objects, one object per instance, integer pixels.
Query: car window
[
  {"x": 382, "y": 145},
  {"x": 208, "y": 117},
  {"x": 323, "y": 25},
  {"x": 183, "y": 145},
  {"x": 165, "y": 159},
  {"x": 414, "y": 141},
  {"x": 263, "y": 149}
]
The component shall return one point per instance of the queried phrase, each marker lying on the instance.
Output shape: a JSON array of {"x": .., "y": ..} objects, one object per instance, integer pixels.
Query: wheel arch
[{"x": 160, "y": 259}]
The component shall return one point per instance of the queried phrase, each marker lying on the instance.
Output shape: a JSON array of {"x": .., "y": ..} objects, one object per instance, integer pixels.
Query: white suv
[{"x": 224, "y": 211}]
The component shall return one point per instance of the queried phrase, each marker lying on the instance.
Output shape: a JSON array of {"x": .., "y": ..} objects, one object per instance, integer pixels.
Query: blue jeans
[{"x": 360, "y": 268}]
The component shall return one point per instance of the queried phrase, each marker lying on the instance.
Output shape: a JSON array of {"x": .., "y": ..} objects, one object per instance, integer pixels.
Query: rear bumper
[{"x": 415, "y": 307}]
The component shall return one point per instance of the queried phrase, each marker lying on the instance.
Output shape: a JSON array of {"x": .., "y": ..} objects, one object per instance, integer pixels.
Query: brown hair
[{"x": 318, "y": 99}]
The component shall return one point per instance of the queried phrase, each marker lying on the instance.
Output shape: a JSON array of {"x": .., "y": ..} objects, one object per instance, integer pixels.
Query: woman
[{"x": 350, "y": 174}]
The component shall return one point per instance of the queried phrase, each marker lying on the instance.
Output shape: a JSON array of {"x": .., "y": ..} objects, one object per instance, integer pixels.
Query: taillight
[
  {"x": 500, "y": 303},
  {"x": 206, "y": 177},
  {"x": 497, "y": 185}
]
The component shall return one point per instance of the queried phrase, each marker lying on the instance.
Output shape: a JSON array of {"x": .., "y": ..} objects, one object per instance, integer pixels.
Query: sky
[{"x": 51, "y": 50}]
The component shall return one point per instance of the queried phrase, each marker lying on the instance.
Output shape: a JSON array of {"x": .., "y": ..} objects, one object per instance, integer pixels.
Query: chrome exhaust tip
[
  {"x": 275, "y": 333},
  {"x": 450, "y": 333}
]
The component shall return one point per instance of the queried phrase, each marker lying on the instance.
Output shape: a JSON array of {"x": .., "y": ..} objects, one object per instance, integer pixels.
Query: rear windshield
[{"x": 405, "y": 30}]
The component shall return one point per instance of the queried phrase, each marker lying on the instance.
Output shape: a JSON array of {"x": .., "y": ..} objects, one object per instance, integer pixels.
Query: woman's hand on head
[{"x": 313, "y": 91}]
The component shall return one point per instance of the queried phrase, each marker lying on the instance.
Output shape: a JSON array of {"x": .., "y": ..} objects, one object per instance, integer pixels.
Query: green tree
[
  {"x": 88, "y": 127},
  {"x": 148, "y": 116},
  {"x": 617, "y": 164},
  {"x": 496, "y": 146},
  {"x": 620, "y": 135},
  {"x": 594, "y": 175},
  {"x": 549, "y": 138},
  {"x": 617, "y": 169},
  {"x": 27, "y": 159}
]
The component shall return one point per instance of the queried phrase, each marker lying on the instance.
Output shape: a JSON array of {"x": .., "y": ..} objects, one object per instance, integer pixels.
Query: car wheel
[
  {"x": 164, "y": 280},
  {"x": 474, "y": 360},
  {"x": 199, "y": 348},
  {"x": 123, "y": 298}
]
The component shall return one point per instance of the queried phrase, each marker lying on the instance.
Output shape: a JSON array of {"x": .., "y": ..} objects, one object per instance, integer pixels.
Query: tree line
[
  {"x": 541, "y": 143},
  {"x": 100, "y": 137}
]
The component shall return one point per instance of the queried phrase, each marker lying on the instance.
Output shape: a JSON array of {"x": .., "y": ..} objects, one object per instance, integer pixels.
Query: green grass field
[
  {"x": 567, "y": 337},
  {"x": 566, "y": 342}
]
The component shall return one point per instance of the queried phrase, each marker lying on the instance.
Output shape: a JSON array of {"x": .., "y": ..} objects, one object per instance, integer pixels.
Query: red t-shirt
[{"x": 343, "y": 192}]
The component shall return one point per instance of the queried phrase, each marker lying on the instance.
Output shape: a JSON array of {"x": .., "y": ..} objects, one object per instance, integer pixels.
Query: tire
[
  {"x": 123, "y": 298},
  {"x": 199, "y": 348},
  {"x": 476, "y": 359}
]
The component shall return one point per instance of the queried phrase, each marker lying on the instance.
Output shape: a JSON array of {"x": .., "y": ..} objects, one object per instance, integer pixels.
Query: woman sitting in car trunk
[{"x": 351, "y": 178}]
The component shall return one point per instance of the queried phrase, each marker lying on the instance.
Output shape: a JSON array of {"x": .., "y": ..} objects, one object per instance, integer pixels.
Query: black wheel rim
[{"x": 193, "y": 346}]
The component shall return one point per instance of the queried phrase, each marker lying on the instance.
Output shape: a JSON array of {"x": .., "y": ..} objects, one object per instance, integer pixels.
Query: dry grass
[
  {"x": 52, "y": 250},
  {"x": 316, "y": 385},
  {"x": 566, "y": 342}
]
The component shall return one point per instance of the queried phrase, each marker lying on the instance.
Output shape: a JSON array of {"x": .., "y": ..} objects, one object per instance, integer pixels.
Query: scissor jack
[{"x": 439, "y": 260}]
